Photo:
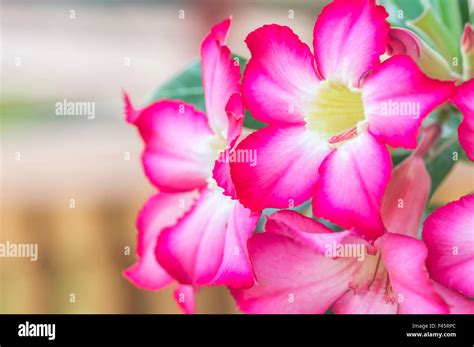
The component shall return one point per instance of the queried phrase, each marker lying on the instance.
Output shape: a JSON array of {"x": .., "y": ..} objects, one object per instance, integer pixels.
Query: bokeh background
[{"x": 109, "y": 46}]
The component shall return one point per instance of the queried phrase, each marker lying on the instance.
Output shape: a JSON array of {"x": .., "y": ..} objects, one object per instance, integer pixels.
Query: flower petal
[
  {"x": 292, "y": 278},
  {"x": 303, "y": 229},
  {"x": 184, "y": 296},
  {"x": 464, "y": 101},
  {"x": 201, "y": 248},
  {"x": 178, "y": 153},
  {"x": 449, "y": 235},
  {"x": 160, "y": 211},
  {"x": 368, "y": 302},
  {"x": 220, "y": 75},
  {"x": 235, "y": 269},
  {"x": 221, "y": 174},
  {"x": 458, "y": 303},
  {"x": 404, "y": 258},
  {"x": 285, "y": 167},
  {"x": 351, "y": 185},
  {"x": 221, "y": 171},
  {"x": 349, "y": 37},
  {"x": 404, "y": 200},
  {"x": 235, "y": 115},
  {"x": 280, "y": 77},
  {"x": 397, "y": 97}
]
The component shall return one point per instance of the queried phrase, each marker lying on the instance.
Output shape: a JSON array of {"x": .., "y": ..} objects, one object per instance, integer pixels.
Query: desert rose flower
[
  {"x": 303, "y": 267},
  {"x": 193, "y": 232},
  {"x": 331, "y": 115}
]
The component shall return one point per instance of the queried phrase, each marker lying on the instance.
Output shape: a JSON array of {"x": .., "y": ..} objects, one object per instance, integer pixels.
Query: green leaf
[
  {"x": 187, "y": 86},
  {"x": 452, "y": 15},
  {"x": 402, "y": 10},
  {"x": 411, "y": 8},
  {"x": 430, "y": 27}
]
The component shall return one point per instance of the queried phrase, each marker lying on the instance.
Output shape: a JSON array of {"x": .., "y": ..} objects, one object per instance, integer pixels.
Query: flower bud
[
  {"x": 467, "y": 47},
  {"x": 404, "y": 41}
]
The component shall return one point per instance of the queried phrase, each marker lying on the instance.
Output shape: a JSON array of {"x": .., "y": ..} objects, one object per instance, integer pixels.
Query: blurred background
[{"x": 74, "y": 185}]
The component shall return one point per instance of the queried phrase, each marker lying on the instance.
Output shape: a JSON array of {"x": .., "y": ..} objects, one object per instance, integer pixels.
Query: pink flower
[
  {"x": 464, "y": 100},
  {"x": 303, "y": 267},
  {"x": 193, "y": 232},
  {"x": 331, "y": 115}
]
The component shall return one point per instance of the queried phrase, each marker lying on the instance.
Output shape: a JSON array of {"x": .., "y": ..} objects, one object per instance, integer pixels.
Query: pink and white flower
[
  {"x": 331, "y": 115},
  {"x": 295, "y": 273},
  {"x": 193, "y": 232}
]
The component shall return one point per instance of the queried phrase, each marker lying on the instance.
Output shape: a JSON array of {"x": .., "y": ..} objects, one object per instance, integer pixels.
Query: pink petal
[
  {"x": 292, "y": 278},
  {"x": 370, "y": 289},
  {"x": 349, "y": 37},
  {"x": 280, "y": 78},
  {"x": 235, "y": 115},
  {"x": 184, "y": 296},
  {"x": 207, "y": 246},
  {"x": 235, "y": 269},
  {"x": 351, "y": 185},
  {"x": 404, "y": 258},
  {"x": 457, "y": 303},
  {"x": 397, "y": 97},
  {"x": 220, "y": 75},
  {"x": 368, "y": 302},
  {"x": 221, "y": 174},
  {"x": 285, "y": 170},
  {"x": 178, "y": 153},
  {"x": 221, "y": 171},
  {"x": 406, "y": 196},
  {"x": 160, "y": 211},
  {"x": 449, "y": 235},
  {"x": 305, "y": 230},
  {"x": 464, "y": 101}
]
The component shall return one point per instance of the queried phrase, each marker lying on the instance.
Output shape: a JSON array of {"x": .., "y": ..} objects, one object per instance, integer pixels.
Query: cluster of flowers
[{"x": 333, "y": 115}]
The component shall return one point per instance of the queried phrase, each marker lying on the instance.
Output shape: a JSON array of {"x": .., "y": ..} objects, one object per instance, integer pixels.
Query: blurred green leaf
[
  {"x": 187, "y": 86},
  {"x": 453, "y": 14},
  {"x": 26, "y": 111},
  {"x": 411, "y": 8},
  {"x": 432, "y": 29},
  {"x": 402, "y": 10}
]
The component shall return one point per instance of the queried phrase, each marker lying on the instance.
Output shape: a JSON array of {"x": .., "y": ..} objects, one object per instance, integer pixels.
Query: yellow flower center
[{"x": 335, "y": 109}]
